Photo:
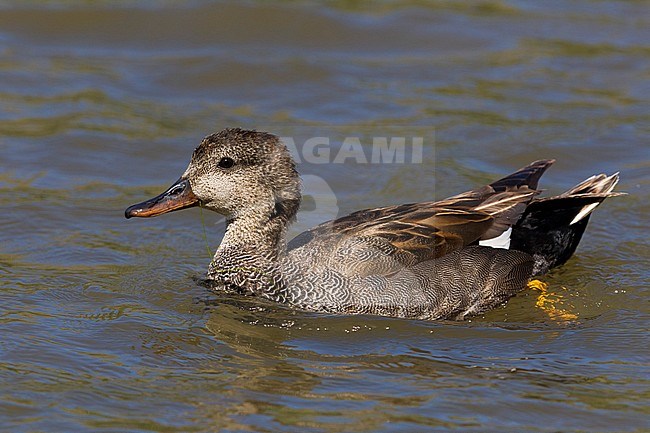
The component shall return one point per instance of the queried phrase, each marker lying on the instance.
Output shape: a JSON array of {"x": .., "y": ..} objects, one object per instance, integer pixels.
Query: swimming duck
[{"x": 447, "y": 259}]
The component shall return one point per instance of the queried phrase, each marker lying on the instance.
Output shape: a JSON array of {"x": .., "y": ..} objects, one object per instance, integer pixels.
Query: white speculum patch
[{"x": 501, "y": 241}]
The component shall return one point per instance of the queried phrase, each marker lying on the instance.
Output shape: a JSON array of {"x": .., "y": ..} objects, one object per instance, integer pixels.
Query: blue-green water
[{"x": 104, "y": 328}]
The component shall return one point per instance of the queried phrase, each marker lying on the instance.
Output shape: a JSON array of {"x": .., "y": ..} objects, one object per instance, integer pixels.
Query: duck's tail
[{"x": 551, "y": 228}]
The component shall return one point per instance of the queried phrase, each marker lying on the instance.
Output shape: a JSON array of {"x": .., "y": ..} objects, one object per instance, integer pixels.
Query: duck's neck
[
  {"x": 249, "y": 254},
  {"x": 262, "y": 235},
  {"x": 258, "y": 232}
]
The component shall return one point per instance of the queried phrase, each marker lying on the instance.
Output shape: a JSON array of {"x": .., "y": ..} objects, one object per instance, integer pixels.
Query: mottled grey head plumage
[{"x": 263, "y": 174}]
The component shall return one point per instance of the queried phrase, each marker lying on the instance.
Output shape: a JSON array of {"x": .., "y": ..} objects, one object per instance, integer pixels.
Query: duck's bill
[{"x": 178, "y": 196}]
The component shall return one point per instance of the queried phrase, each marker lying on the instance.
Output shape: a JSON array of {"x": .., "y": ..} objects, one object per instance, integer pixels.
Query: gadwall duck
[{"x": 439, "y": 259}]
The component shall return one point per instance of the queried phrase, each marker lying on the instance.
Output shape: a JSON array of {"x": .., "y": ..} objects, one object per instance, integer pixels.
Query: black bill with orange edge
[{"x": 178, "y": 196}]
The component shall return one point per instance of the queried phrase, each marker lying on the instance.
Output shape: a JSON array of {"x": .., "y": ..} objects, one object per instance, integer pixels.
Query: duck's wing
[
  {"x": 384, "y": 240},
  {"x": 504, "y": 199}
]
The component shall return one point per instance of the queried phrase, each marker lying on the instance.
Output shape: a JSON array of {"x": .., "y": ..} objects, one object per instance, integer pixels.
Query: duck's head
[{"x": 234, "y": 172}]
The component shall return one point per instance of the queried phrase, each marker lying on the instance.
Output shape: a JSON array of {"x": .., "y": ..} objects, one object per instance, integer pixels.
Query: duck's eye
[{"x": 226, "y": 162}]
